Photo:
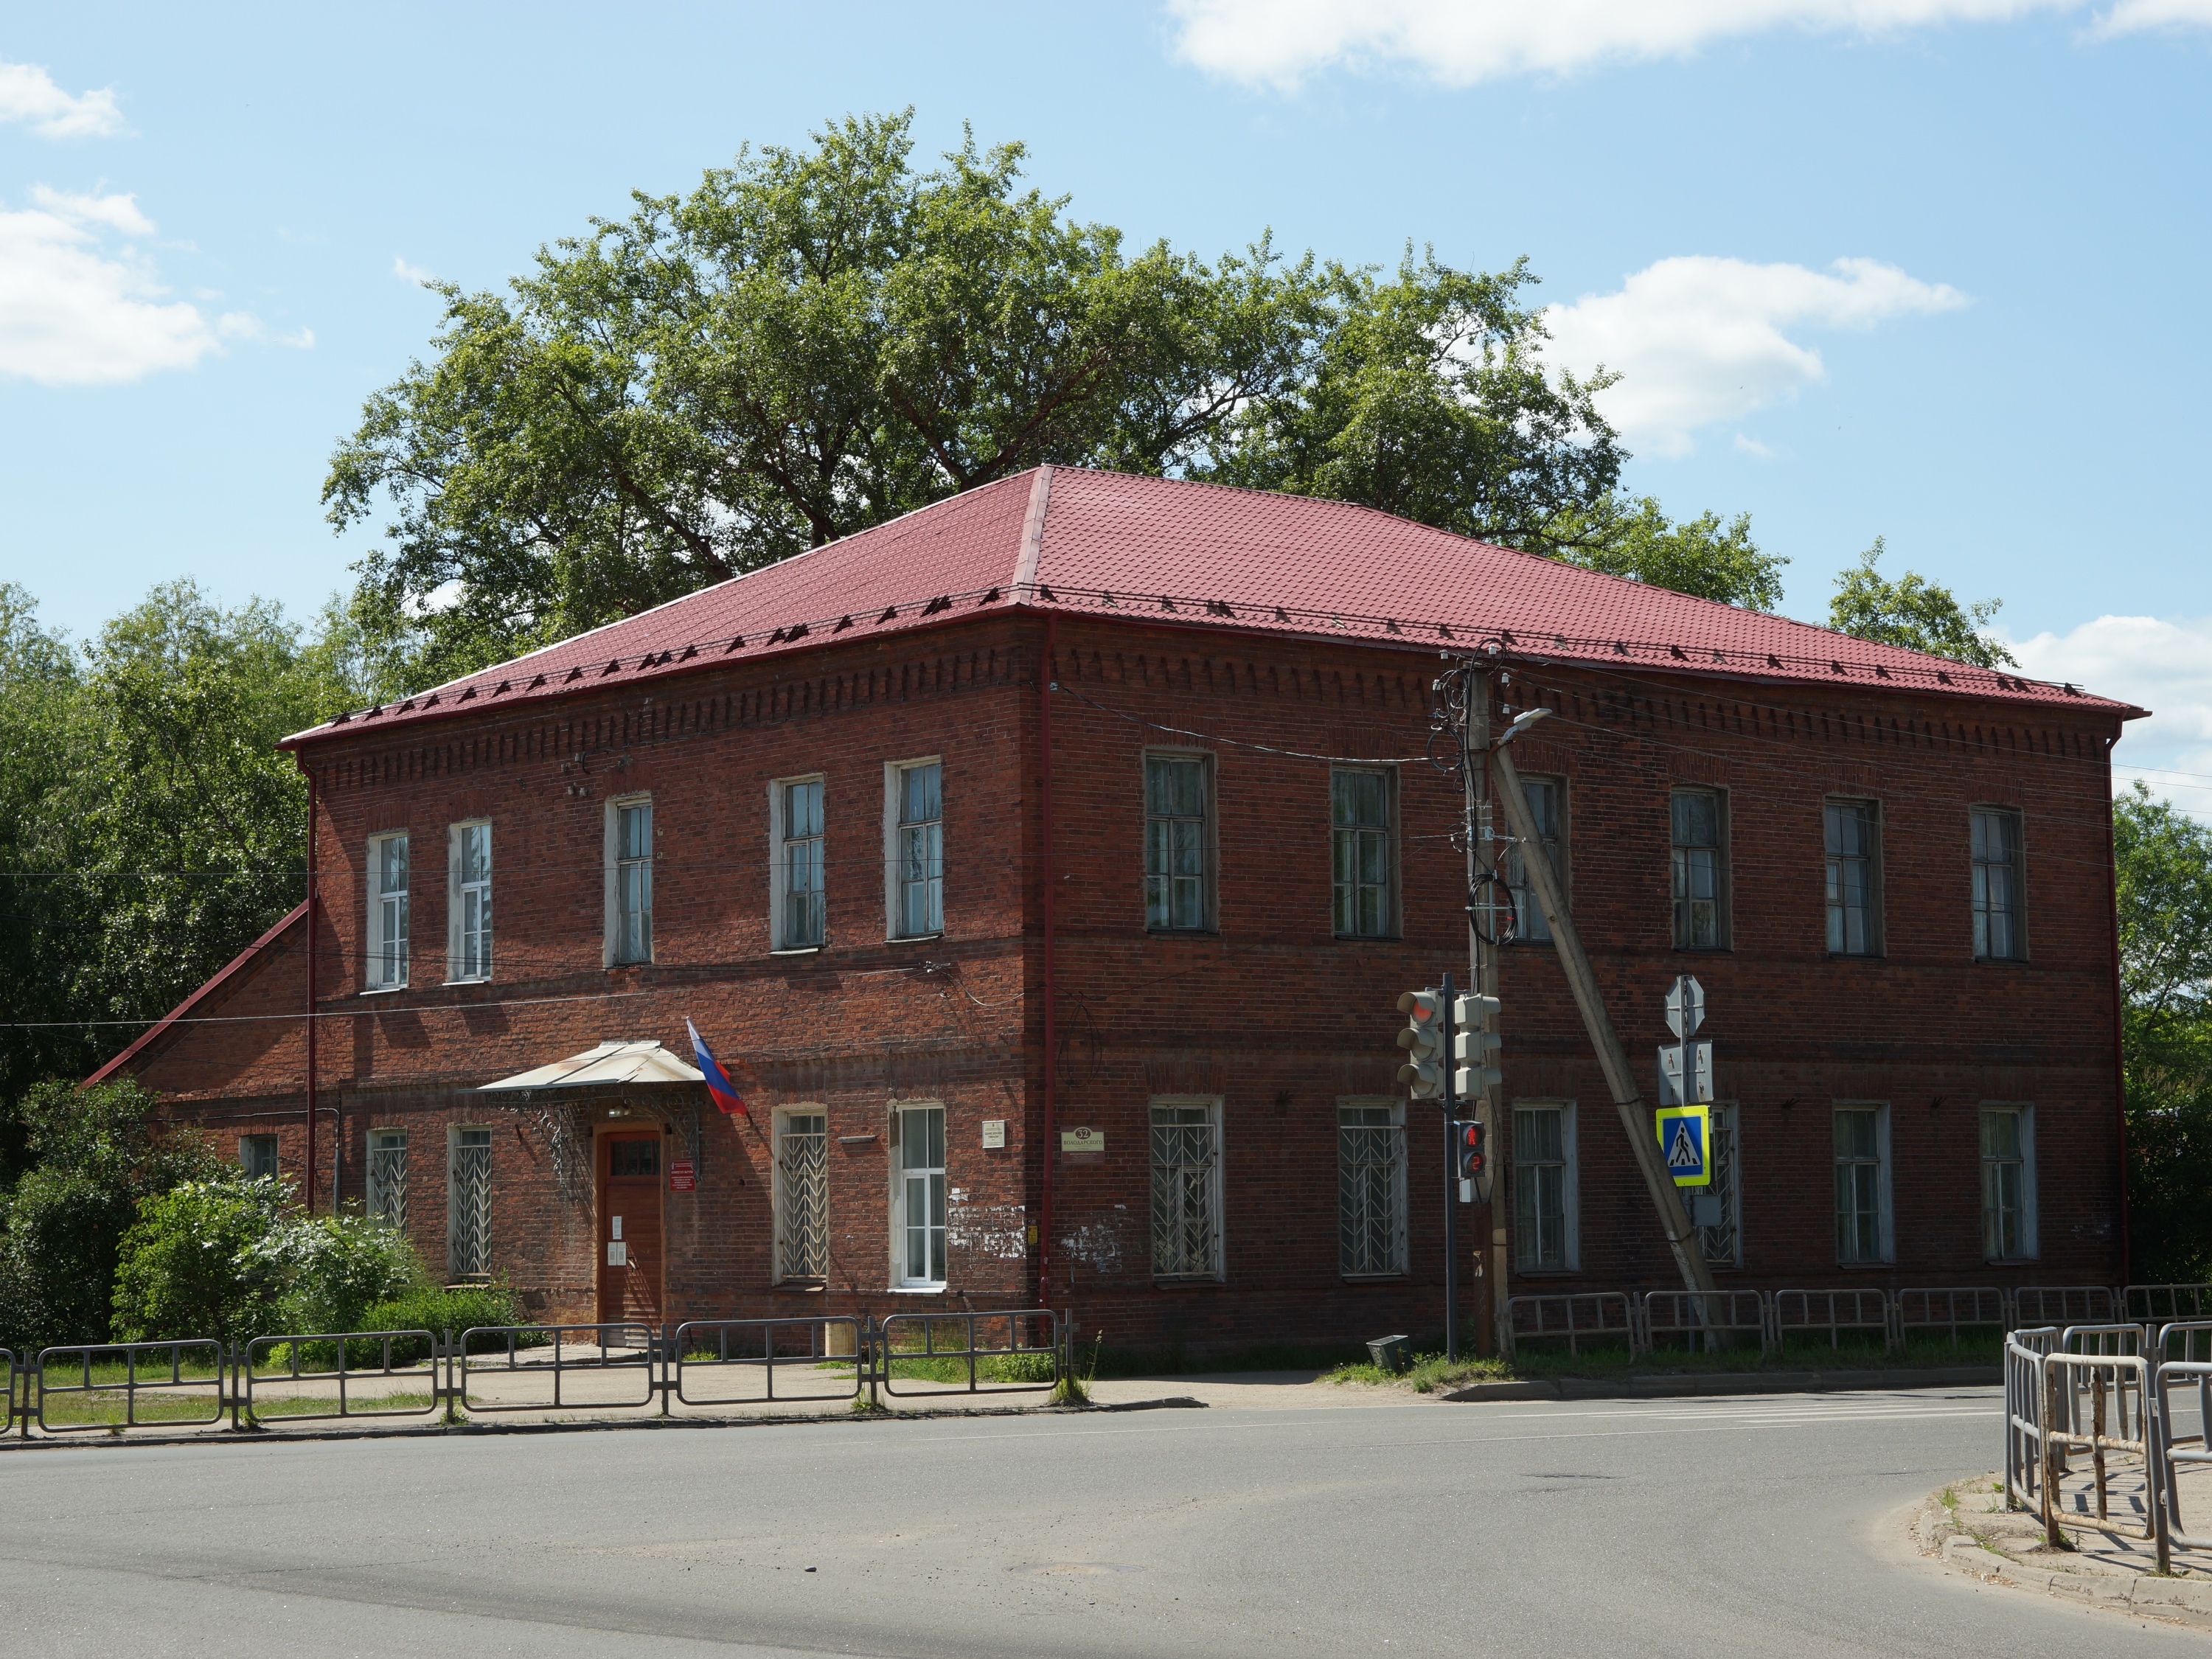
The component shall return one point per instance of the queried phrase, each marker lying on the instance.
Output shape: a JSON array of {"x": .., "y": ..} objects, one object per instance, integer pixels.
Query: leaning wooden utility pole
[{"x": 1619, "y": 1077}]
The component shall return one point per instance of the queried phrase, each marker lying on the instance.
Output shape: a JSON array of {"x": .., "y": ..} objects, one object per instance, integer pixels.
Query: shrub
[
  {"x": 196, "y": 1262},
  {"x": 335, "y": 1268},
  {"x": 430, "y": 1307}
]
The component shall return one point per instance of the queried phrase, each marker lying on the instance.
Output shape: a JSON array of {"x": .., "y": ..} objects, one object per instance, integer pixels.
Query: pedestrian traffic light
[
  {"x": 1473, "y": 1046},
  {"x": 1467, "y": 1139},
  {"x": 1423, "y": 1040}
]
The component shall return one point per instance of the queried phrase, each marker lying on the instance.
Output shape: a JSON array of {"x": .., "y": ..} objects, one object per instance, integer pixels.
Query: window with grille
[
  {"x": 387, "y": 1176},
  {"x": 1178, "y": 895},
  {"x": 468, "y": 1239},
  {"x": 2008, "y": 1183},
  {"x": 1186, "y": 1148},
  {"x": 1370, "y": 1189},
  {"x": 918, "y": 850},
  {"x": 1715, "y": 1208},
  {"x": 1862, "y": 1184},
  {"x": 1998, "y": 934},
  {"x": 1360, "y": 818},
  {"x": 1700, "y": 879},
  {"x": 802, "y": 910},
  {"x": 1853, "y": 843},
  {"x": 918, "y": 1202},
  {"x": 388, "y": 912},
  {"x": 802, "y": 1195},
  {"x": 257, "y": 1156},
  {"x": 472, "y": 901},
  {"x": 1546, "y": 798},
  {"x": 633, "y": 874},
  {"x": 1543, "y": 1187}
]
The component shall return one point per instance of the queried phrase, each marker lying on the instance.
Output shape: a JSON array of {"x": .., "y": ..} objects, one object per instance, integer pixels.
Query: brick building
[{"x": 1045, "y": 866}]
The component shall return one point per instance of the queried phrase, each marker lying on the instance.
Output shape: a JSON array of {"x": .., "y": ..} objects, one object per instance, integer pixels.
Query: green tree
[
  {"x": 1634, "y": 538},
  {"x": 96, "y": 1154},
  {"x": 198, "y": 1262},
  {"x": 2165, "y": 876},
  {"x": 1915, "y": 613}
]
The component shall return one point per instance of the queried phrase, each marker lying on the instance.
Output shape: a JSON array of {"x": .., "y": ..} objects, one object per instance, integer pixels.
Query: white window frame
[
  {"x": 895, "y": 830},
  {"x": 1528, "y": 924},
  {"x": 1215, "y": 1270},
  {"x": 454, "y": 1144},
  {"x": 813, "y": 1111},
  {"x": 1209, "y": 840},
  {"x": 376, "y": 934},
  {"x": 2031, "y": 1245},
  {"x": 1722, "y": 873},
  {"x": 1392, "y": 926},
  {"x": 1396, "y": 1268},
  {"x": 611, "y": 953},
  {"x": 1978, "y": 908},
  {"x": 384, "y": 1195},
  {"x": 246, "y": 1162},
  {"x": 779, "y": 905},
  {"x": 457, "y": 892},
  {"x": 901, "y": 1279},
  {"x": 1831, "y": 864},
  {"x": 1884, "y": 1182},
  {"x": 1570, "y": 1206}
]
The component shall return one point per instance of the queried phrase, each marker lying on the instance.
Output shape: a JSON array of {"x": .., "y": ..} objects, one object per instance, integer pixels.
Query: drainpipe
[
  {"x": 1045, "y": 888},
  {"x": 310, "y": 1184},
  {"x": 2119, "y": 1013}
]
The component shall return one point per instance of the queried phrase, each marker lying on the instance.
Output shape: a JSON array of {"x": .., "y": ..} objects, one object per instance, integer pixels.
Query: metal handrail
[
  {"x": 176, "y": 1384},
  {"x": 344, "y": 1375},
  {"x": 719, "y": 1331},
  {"x": 2085, "y": 1372}
]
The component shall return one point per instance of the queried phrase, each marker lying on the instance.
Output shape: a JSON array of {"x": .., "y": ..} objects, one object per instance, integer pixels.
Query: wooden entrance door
[{"x": 630, "y": 1227}]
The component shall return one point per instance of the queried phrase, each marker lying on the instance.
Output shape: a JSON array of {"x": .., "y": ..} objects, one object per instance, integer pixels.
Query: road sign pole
[
  {"x": 1451, "y": 1192},
  {"x": 1482, "y": 976}
]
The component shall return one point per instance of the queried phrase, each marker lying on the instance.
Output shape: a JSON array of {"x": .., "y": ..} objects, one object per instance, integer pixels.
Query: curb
[
  {"x": 2183, "y": 1600},
  {"x": 95, "y": 1439},
  {"x": 1729, "y": 1383}
]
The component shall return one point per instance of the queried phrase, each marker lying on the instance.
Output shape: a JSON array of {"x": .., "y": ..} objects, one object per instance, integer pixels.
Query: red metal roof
[
  {"x": 1107, "y": 544},
  {"x": 222, "y": 976}
]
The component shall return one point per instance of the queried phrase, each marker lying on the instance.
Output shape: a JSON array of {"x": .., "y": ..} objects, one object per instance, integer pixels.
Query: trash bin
[{"x": 1391, "y": 1353}]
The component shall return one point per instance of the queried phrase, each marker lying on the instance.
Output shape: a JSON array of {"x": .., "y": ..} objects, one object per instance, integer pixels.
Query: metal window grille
[
  {"x": 2004, "y": 1184},
  {"x": 804, "y": 904},
  {"x": 388, "y": 958},
  {"x": 257, "y": 1156},
  {"x": 1371, "y": 1186},
  {"x": 922, "y": 850},
  {"x": 1697, "y": 869},
  {"x": 1540, "y": 1186},
  {"x": 1721, "y": 1240},
  {"x": 1543, "y": 807},
  {"x": 633, "y": 882},
  {"x": 1186, "y": 1192},
  {"x": 1359, "y": 817},
  {"x": 387, "y": 1176},
  {"x": 1998, "y": 934},
  {"x": 802, "y": 1174},
  {"x": 1858, "y": 1184},
  {"x": 1851, "y": 837},
  {"x": 474, "y": 899},
  {"x": 921, "y": 1195},
  {"x": 469, "y": 1255},
  {"x": 1174, "y": 842}
]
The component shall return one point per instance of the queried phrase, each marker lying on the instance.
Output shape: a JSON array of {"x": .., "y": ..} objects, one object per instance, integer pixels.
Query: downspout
[
  {"x": 312, "y": 1022},
  {"x": 1045, "y": 888},
  {"x": 2119, "y": 1015}
]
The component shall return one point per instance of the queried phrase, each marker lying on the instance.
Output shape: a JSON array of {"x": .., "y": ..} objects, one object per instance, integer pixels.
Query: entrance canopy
[{"x": 609, "y": 1063}]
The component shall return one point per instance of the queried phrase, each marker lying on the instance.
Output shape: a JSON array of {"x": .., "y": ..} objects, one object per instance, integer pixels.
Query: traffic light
[
  {"x": 1467, "y": 1140},
  {"x": 1473, "y": 1047},
  {"x": 1423, "y": 1040}
]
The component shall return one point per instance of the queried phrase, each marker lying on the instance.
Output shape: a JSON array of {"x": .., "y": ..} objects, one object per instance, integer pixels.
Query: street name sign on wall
[{"x": 1686, "y": 1139}]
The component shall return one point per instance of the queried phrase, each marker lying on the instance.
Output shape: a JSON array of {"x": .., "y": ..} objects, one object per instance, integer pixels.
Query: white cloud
[
  {"x": 77, "y": 308},
  {"x": 407, "y": 273},
  {"x": 1458, "y": 42},
  {"x": 1699, "y": 339},
  {"x": 1747, "y": 445},
  {"x": 28, "y": 94},
  {"x": 2161, "y": 664}
]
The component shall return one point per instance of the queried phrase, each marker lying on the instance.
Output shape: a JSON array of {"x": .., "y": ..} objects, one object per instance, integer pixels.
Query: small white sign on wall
[
  {"x": 994, "y": 1135},
  {"x": 618, "y": 1255},
  {"x": 616, "y": 1232}
]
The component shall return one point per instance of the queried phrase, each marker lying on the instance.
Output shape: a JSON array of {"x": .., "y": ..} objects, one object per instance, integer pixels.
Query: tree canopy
[{"x": 1913, "y": 612}]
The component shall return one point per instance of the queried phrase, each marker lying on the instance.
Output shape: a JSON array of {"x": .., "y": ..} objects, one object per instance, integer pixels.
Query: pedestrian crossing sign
[{"x": 1686, "y": 1138}]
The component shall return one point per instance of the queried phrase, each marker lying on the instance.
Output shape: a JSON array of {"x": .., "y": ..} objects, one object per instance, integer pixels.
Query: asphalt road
[{"x": 1704, "y": 1529}]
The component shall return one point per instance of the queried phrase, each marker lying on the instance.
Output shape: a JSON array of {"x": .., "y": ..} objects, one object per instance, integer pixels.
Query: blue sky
[{"x": 1932, "y": 270}]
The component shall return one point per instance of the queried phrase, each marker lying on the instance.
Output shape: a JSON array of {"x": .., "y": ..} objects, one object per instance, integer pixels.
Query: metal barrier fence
[
  {"x": 2166, "y": 1492},
  {"x": 280, "y": 1376},
  {"x": 1949, "y": 1310},
  {"x": 2158, "y": 1304},
  {"x": 1577, "y": 1317},
  {"x": 2067, "y": 1377},
  {"x": 2024, "y": 1352},
  {"x": 549, "y": 1355},
  {"x": 1685, "y": 1315},
  {"x": 1002, "y": 1352},
  {"x": 1832, "y": 1312},
  {"x": 162, "y": 1384},
  {"x": 2195, "y": 1334},
  {"x": 737, "y": 1351},
  {"x": 2063, "y": 1304}
]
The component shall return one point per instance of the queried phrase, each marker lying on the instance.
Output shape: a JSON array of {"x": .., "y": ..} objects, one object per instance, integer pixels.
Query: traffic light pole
[
  {"x": 1451, "y": 1184},
  {"x": 1481, "y": 951}
]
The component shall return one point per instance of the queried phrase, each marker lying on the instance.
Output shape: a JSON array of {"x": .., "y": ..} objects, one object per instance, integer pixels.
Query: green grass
[
  {"x": 110, "y": 1409},
  {"x": 1612, "y": 1362}
]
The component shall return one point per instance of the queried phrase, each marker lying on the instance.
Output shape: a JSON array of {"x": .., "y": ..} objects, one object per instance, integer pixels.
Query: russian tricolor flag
[{"x": 718, "y": 1080}]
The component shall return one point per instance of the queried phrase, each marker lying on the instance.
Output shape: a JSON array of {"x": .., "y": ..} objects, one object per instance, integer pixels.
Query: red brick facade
[{"x": 1266, "y": 1012}]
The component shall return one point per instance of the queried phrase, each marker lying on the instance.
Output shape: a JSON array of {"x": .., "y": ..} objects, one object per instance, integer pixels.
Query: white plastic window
[
  {"x": 472, "y": 901},
  {"x": 918, "y": 849},
  {"x": 918, "y": 1200},
  {"x": 802, "y": 902},
  {"x": 388, "y": 912},
  {"x": 633, "y": 874}
]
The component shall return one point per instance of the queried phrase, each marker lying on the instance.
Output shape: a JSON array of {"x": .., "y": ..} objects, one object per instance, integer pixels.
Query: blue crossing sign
[{"x": 1686, "y": 1138}]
